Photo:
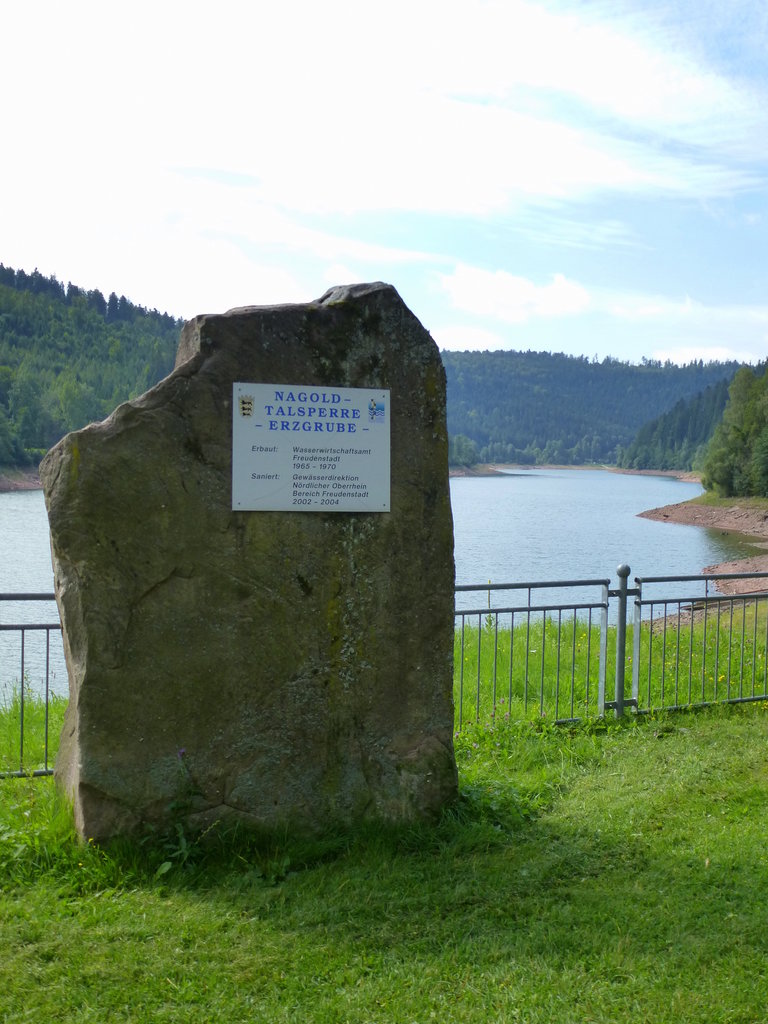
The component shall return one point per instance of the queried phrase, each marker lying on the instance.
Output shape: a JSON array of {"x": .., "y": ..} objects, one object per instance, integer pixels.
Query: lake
[
  {"x": 552, "y": 524},
  {"x": 521, "y": 526}
]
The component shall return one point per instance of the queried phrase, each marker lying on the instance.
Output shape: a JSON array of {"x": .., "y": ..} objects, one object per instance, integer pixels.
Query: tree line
[
  {"x": 736, "y": 461},
  {"x": 541, "y": 407},
  {"x": 69, "y": 356},
  {"x": 678, "y": 439}
]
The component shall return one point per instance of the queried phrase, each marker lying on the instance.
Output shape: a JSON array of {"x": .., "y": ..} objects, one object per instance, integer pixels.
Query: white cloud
[
  {"x": 544, "y": 226},
  {"x": 684, "y": 312},
  {"x": 624, "y": 323},
  {"x": 198, "y": 157},
  {"x": 240, "y": 213},
  {"x": 513, "y": 299},
  {"x": 339, "y": 274},
  {"x": 637, "y": 306},
  {"x": 460, "y": 107}
]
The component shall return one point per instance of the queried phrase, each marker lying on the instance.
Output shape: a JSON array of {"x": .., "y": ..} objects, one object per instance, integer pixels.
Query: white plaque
[{"x": 306, "y": 448}]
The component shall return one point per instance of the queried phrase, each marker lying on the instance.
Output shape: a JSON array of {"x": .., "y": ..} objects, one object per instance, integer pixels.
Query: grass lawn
[{"x": 604, "y": 873}]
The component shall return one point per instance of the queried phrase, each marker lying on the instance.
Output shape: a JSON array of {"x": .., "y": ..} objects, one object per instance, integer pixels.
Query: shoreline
[
  {"x": 15, "y": 479},
  {"x": 508, "y": 468},
  {"x": 747, "y": 517}
]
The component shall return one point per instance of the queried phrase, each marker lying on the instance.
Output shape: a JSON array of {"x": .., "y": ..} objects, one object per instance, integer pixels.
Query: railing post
[
  {"x": 603, "y": 653},
  {"x": 637, "y": 632},
  {"x": 621, "y": 639}
]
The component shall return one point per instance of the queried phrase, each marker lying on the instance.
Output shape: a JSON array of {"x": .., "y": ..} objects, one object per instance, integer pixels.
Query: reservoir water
[
  {"x": 554, "y": 524},
  {"x": 521, "y": 526}
]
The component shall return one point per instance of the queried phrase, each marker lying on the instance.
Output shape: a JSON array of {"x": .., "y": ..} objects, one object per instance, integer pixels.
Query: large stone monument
[{"x": 254, "y": 570}]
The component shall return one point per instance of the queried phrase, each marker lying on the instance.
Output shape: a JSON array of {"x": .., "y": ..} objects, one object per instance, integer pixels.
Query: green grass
[
  {"x": 41, "y": 730},
  {"x": 602, "y": 873},
  {"x": 714, "y": 500}
]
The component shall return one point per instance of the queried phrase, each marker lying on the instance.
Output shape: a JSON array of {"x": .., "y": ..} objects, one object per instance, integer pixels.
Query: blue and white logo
[{"x": 376, "y": 410}]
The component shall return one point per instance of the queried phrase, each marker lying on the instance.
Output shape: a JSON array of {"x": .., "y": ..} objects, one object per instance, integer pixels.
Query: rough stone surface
[{"x": 287, "y": 669}]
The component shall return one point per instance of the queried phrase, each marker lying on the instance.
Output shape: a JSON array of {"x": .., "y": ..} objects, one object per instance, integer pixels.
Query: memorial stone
[{"x": 287, "y": 669}]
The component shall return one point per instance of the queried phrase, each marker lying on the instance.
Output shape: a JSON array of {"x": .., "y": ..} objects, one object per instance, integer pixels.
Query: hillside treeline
[
  {"x": 540, "y": 407},
  {"x": 678, "y": 439},
  {"x": 68, "y": 357},
  {"x": 737, "y": 458}
]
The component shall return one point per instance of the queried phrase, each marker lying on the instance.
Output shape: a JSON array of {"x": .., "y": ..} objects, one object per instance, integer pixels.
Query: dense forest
[
  {"x": 678, "y": 439},
  {"x": 737, "y": 458},
  {"x": 68, "y": 357},
  {"x": 540, "y": 407}
]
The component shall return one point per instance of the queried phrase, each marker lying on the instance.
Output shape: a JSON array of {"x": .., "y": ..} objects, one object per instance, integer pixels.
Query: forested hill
[
  {"x": 536, "y": 407},
  {"x": 68, "y": 357},
  {"x": 736, "y": 461},
  {"x": 678, "y": 439}
]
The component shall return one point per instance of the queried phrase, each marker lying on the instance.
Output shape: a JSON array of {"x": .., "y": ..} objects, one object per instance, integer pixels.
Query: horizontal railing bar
[
  {"x": 17, "y": 627},
  {"x": 37, "y": 774},
  {"x": 529, "y": 608},
  {"x": 696, "y": 705},
  {"x": 699, "y": 600},
  {"x": 28, "y": 597},
  {"x": 464, "y": 587}
]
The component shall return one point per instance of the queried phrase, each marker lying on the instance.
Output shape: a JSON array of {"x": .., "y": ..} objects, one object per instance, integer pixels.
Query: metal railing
[
  {"x": 550, "y": 650},
  {"x": 699, "y": 649},
  {"x": 29, "y": 650},
  {"x": 536, "y": 655},
  {"x": 684, "y": 644}
]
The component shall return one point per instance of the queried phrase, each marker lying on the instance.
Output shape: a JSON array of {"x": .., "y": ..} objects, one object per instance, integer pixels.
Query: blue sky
[{"x": 582, "y": 177}]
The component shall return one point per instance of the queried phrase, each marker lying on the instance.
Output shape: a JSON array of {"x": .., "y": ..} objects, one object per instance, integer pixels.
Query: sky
[{"x": 572, "y": 176}]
